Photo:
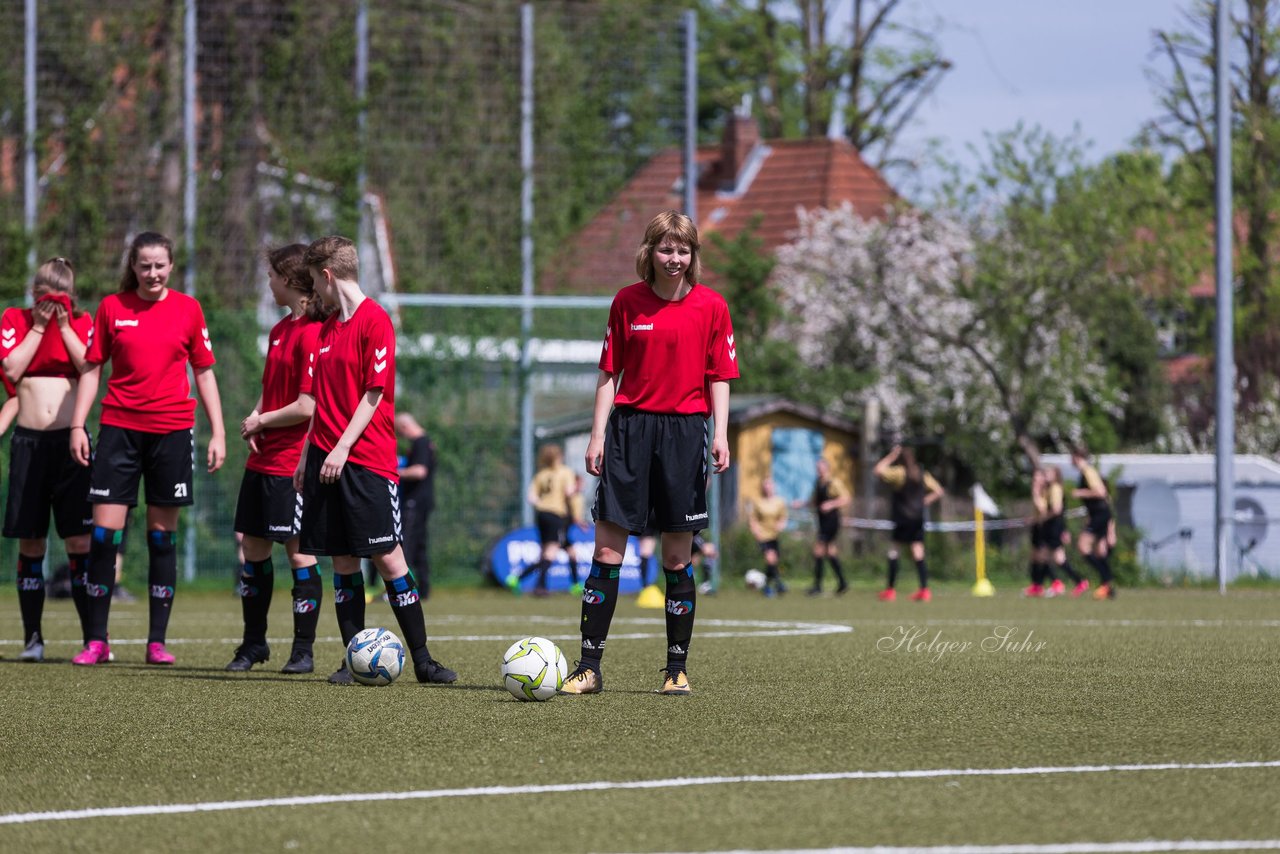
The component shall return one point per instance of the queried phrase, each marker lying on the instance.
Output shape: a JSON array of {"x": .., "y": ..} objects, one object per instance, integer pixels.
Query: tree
[
  {"x": 1004, "y": 323},
  {"x": 781, "y": 54},
  {"x": 1187, "y": 127}
]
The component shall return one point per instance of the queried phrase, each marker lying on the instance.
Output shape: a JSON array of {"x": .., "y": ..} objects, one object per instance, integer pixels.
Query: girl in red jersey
[
  {"x": 347, "y": 475},
  {"x": 667, "y": 359},
  {"x": 269, "y": 510},
  {"x": 42, "y": 349},
  {"x": 149, "y": 333}
]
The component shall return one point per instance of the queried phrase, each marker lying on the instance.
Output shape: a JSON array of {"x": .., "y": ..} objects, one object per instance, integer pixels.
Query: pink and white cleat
[
  {"x": 157, "y": 654},
  {"x": 94, "y": 652}
]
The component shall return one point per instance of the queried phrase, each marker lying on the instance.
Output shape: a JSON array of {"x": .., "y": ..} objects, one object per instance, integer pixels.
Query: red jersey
[
  {"x": 352, "y": 358},
  {"x": 149, "y": 345},
  {"x": 669, "y": 352},
  {"x": 50, "y": 358},
  {"x": 287, "y": 374}
]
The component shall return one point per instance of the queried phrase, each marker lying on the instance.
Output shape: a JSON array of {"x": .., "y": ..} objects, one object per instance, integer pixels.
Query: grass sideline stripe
[{"x": 612, "y": 785}]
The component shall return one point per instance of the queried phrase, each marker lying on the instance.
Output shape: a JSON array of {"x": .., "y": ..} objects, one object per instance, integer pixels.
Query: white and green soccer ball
[
  {"x": 375, "y": 657},
  {"x": 534, "y": 668}
]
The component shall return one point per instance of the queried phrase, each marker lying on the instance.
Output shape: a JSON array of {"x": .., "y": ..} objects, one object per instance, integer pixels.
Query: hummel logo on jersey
[
  {"x": 642, "y": 327},
  {"x": 120, "y": 323},
  {"x": 324, "y": 350},
  {"x": 208, "y": 345},
  {"x": 276, "y": 343},
  {"x": 608, "y": 332},
  {"x": 379, "y": 367},
  {"x": 9, "y": 336},
  {"x": 733, "y": 351}
]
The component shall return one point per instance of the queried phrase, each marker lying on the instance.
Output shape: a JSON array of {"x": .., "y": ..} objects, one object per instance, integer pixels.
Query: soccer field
[{"x": 1148, "y": 723}]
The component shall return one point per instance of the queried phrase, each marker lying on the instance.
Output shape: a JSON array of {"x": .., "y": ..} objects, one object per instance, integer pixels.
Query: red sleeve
[
  {"x": 99, "y": 344},
  {"x": 614, "y": 334},
  {"x": 14, "y": 326},
  {"x": 305, "y": 356},
  {"x": 199, "y": 347},
  {"x": 83, "y": 325},
  {"x": 379, "y": 351},
  {"x": 722, "y": 359}
]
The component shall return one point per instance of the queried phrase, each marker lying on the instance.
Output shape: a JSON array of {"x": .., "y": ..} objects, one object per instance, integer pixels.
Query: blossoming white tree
[{"x": 988, "y": 359}]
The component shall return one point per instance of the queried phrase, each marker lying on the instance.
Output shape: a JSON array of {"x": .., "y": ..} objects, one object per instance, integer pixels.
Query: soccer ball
[
  {"x": 755, "y": 579},
  {"x": 534, "y": 669},
  {"x": 375, "y": 657}
]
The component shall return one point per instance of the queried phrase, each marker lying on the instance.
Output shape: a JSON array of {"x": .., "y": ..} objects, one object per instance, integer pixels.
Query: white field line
[
  {"x": 609, "y": 785},
  {"x": 1143, "y": 845},
  {"x": 720, "y": 629}
]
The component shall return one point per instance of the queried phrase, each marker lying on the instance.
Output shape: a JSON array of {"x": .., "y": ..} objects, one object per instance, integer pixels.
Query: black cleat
[
  {"x": 300, "y": 661},
  {"x": 247, "y": 655},
  {"x": 341, "y": 676},
  {"x": 435, "y": 673}
]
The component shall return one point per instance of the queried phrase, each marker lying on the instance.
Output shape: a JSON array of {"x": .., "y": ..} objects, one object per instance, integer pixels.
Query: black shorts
[
  {"x": 1051, "y": 532},
  {"x": 552, "y": 528},
  {"x": 1099, "y": 523},
  {"x": 268, "y": 507},
  {"x": 43, "y": 477},
  {"x": 908, "y": 531},
  {"x": 828, "y": 527},
  {"x": 359, "y": 515},
  {"x": 655, "y": 463},
  {"x": 1037, "y": 535},
  {"x": 123, "y": 456},
  {"x": 767, "y": 546}
]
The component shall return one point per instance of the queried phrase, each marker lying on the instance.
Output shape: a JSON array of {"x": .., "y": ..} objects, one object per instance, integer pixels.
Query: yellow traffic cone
[{"x": 651, "y": 597}]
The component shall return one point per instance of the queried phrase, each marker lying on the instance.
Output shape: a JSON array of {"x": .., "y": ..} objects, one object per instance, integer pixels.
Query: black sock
[
  {"x": 541, "y": 569},
  {"x": 771, "y": 576},
  {"x": 78, "y": 565},
  {"x": 1104, "y": 568},
  {"x": 1047, "y": 575},
  {"x": 573, "y": 563},
  {"x": 30, "y": 594},
  {"x": 893, "y": 572},
  {"x": 1033, "y": 572},
  {"x": 406, "y": 604},
  {"x": 682, "y": 599},
  {"x": 162, "y": 578},
  {"x": 839, "y": 571},
  {"x": 599, "y": 599},
  {"x": 817, "y": 573},
  {"x": 257, "y": 580},
  {"x": 307, "y": 593},
  {"x": 923, "y": 572},
  {"x": 100, "y": 579},
  {"x": 348, "y": 604},
  {"x": 1066, "y": 567}
]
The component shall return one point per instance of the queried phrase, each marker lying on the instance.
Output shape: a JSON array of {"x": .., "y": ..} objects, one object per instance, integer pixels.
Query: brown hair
[
  {"x": 335, "y": 254},
  {"x": 56, "y": 275},
  {"x": 911, "y": 466},
  {"x": 677, "y": 227},
  {"x": 289, "y": 262},
  {"x": 129, "y": 280},
  {"x": 549, "y": 455}
]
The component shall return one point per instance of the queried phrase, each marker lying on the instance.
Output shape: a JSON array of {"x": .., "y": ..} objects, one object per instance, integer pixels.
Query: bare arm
[
  {"x": 207, "y": 391},
  {"x": 720, "y": 411},
  {"x": 86, "y": 391},
  {"x": 606, "y": 388},
  {"x": 286, "y": 416},
  {"x": 19, "y": 358},
  {"x": 334, "y": 463},
  {"x": 886, "y": 461},
  {"x": 70, "y": 338},
  {"x": 8, "y": 412}
]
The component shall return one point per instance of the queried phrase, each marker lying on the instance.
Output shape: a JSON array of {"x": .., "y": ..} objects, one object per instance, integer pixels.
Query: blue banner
[{"x": 521, "y": 548}]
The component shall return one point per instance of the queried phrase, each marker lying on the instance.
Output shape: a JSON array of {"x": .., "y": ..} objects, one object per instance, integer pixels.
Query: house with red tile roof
[{"x": 742, "y": 177}]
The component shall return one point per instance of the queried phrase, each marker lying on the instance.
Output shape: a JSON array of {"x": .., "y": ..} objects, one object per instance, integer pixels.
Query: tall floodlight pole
[
  {"x": 1224, "y": 351},
  {"x": 189, "y": 48},
  {"x": 30, "y": 190},
  {"x": 362, "y": 117},
  {"x": 526, "y": 253}
]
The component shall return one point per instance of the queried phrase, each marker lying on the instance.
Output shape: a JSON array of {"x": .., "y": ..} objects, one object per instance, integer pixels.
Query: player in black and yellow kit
[
  {"x": 1094, "y": 541},
  {"x": 914, "y": 489},
  {"x": 829, "y": 497},
  {"x": 768, "y": 519}
]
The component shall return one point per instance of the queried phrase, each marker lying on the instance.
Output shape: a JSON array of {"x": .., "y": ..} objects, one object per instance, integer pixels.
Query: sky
[{"x": 1056, "y": 63}]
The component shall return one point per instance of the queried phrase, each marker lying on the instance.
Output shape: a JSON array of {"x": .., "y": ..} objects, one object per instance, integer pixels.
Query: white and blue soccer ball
[
  {"x": 375, "y": 657},
  {"x": 534, "y": 669}
]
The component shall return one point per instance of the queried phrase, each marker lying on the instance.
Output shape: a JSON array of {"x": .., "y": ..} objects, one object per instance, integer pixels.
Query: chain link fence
[{"x": 399, "y": 120}]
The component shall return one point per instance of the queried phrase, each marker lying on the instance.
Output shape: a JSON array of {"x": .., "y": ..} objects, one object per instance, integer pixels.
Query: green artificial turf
[{"x": 1178, "y": 677}]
